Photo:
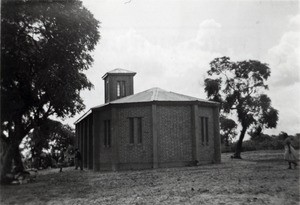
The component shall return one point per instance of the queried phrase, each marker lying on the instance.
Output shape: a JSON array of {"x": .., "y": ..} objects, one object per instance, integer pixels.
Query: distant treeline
[{"x": 264, "y": 142}]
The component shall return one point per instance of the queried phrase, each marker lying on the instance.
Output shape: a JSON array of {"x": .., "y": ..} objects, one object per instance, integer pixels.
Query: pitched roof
[
  {"x": 153, "y": 94},
  {"x": 119, "y": 71},
  {"x": 156, "y": 94}
]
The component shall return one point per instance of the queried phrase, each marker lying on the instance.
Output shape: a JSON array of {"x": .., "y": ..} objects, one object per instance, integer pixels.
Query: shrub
[
  {"x": 226, "y": 149},
  {"x": 249, "y": 145},
  {"x": 264, "y": 143}
]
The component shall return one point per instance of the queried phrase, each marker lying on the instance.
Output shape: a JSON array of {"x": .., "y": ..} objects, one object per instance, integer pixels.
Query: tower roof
[{"x": 119, "y": 71}]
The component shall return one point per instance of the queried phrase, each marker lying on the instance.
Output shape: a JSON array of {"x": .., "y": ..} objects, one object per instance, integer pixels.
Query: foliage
[
  {"x": 45, "y": 47},
  {"x": 265, "y": 142},
  {"x": 227, "y": 129},
  {"x": 239, "y": 87},
  {"x": 52, "y": 135}
]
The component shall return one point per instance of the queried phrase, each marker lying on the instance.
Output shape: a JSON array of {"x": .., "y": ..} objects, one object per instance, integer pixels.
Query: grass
[{"x": 261, "y": 177}]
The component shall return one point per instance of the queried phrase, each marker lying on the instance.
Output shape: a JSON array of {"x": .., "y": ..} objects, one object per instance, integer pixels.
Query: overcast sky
[{"x": 169, "y": 43}]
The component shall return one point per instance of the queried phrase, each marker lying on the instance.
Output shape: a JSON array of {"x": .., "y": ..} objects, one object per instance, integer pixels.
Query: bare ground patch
[{"x": 261, "y": 177}]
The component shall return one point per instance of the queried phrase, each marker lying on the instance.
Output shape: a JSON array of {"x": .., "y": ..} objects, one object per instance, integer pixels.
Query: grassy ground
[{"x": 261, "y": 177}]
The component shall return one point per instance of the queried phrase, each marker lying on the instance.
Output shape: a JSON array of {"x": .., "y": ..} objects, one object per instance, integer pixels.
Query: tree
[
  {"x": 239, "y": 87},
  {"x": 51, "y": 135},
  {"x": 227, "y": 129},
  {"x": 45, "y": 47}
]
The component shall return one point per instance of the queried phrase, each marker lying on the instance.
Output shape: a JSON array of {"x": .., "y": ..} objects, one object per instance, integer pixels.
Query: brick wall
[
  {"x": 206, "y": 151},
  {"x": 102, "y": 154},
  {"x": 85, "y": 141},
  {"x": 90, "y": 142},
  {"x": 82, "y": 140},
  {"x": 174, "y": 134},
  {"x": 134, "y": 153},
  {"x": 111, "y": 93}
]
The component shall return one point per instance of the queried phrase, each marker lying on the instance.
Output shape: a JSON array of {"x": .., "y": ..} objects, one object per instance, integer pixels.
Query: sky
[{"x": 169, "y": 43}]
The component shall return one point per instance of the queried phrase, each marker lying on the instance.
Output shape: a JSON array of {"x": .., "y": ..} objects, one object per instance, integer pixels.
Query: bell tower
[{"x": 118, "y": 83}]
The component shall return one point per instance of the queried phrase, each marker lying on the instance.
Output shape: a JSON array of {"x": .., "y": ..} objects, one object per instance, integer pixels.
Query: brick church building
[{"x": 151, "y": 129}]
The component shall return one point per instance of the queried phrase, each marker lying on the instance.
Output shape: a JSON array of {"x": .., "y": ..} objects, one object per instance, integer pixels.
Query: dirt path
[{"x": 260, "y": 178}]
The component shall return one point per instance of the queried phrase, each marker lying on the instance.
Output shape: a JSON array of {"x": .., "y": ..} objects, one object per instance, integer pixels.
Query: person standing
[
  {"x": 290, "y": 155},
  {"x": 61, "y": 160},
  {"x": 78, "y": 159}
]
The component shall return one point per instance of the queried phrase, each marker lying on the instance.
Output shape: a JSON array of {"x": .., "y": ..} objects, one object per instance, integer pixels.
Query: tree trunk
[
  {"x": 17, "y": 158},
  {"x": 9, "y": 153},
  {"x": 238, "y": 148},
  {"x": 227, "y": 141},
  {"x": 5, "y": 160}
]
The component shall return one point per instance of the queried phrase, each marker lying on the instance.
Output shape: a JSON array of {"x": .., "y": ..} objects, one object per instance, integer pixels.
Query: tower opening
[{"x": 118, "y": 83}]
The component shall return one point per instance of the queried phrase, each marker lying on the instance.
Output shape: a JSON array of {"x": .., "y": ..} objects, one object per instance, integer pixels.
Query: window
[
  {"x": 135, "y": 130},
  {"x": 139, "y": 130},
  {"x": 118, "y": 89},
  {"x": 204, "y": 130},
  {"x": 107, "y": 134},
  {"x": 131, "y": 130},
  {"x": 106, "y": 90},
  {"x": 121, "y": 89}
]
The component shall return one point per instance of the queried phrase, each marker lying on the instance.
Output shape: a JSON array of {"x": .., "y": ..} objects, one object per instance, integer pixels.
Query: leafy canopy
[
  {"x": 52, "y": 135},
  {"x": 239, "y": 87},
  {"x": 45, "y": 47}
]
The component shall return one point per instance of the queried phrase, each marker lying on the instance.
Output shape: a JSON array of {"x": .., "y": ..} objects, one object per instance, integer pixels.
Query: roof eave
[
  {"x": 129, "y": 74},
  {"x": 83, "y": 116},
  {"x": 215, "y": 104}
]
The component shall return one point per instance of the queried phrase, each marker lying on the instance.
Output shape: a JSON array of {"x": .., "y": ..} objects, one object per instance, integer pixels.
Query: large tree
[
  {"x": 239, "y": 87},
  {"x": 45, "y": 47}
]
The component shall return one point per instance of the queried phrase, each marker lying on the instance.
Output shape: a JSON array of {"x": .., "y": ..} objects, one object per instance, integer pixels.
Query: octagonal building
[{"x": 151, "y": 129}]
